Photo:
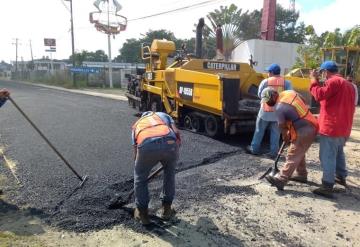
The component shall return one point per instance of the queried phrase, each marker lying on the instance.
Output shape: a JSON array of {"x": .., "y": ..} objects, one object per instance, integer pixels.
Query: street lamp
[{"x": 109, "y": 28}]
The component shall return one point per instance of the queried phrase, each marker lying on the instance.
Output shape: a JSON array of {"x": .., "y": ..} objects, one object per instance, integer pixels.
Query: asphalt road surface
[{"x": 93, "y": 134}]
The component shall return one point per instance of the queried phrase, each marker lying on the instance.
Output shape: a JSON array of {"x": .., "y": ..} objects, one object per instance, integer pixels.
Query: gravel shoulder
[{"x": 221, "y": 204}]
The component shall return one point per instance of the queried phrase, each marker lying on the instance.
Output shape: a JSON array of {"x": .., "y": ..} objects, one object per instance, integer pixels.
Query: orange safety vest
[
  {"x": 294, "y": 99},
  {"x": 149, "y": 126},
  {"x": 278, "y": 84}
]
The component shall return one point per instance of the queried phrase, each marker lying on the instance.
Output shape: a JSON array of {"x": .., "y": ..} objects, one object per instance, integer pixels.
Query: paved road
[{"x": 92, "y": 133}]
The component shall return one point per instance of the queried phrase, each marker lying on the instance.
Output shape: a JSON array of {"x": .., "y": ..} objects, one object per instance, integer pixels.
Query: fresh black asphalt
[{"x": 93, "y": 134}]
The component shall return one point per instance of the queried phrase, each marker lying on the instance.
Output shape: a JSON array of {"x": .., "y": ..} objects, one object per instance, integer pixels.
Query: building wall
[{"x": 266, "y": 52}]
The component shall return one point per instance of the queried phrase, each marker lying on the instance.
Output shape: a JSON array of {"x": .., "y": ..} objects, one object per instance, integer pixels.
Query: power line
[
  {"x": 66, "y": 7},
  {"x": 197, "y": 5}
]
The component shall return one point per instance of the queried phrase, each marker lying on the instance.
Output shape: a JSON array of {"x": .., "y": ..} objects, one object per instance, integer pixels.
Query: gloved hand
[{"x": 4, "y": 93}]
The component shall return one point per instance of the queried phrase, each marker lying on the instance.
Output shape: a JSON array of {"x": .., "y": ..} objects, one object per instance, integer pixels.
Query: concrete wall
[{"x": 266, "y": 52}]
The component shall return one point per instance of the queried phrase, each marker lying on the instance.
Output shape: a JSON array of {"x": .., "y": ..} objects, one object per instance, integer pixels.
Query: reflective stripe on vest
[
  {"x": 292, "y": 98},
  {"x": 149, "y": 126},
  {"x": 277, "y": 83}
]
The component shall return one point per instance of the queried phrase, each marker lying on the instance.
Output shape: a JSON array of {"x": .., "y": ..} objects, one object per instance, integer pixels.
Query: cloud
[{"x": 339, "y": 14}]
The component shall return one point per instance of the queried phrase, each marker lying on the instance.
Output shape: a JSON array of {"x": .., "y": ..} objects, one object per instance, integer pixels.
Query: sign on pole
[
  {"x": 49, "y": 42},
  {"x": 85, "y": 70},
  {"x": 51, "y": 49}
]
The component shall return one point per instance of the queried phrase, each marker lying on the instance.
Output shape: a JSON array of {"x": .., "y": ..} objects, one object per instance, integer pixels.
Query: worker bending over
[
  {"x": 337, "y": 99},
  {"x": 266, "y": 117},
  {"x": 155, "y": 139},
  {"x": 298, "y": 126}
]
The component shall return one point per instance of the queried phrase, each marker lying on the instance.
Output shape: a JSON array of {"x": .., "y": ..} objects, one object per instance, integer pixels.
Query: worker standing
[
  {"x": 266, "y": 117},
  {"x": 4, "y": 94},
  {"x": 337, "y": 107},
  {"x": 155, "y": 139},
  {"x": 298, "y": 126}
]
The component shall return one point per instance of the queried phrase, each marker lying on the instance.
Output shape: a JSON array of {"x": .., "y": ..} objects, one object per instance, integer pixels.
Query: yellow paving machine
[{"x": 202, "y": 95}]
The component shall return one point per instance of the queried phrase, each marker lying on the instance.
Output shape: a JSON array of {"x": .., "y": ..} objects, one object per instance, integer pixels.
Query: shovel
[
  {"x": 273, "y": 170},
  {"x": 121, "y": 201}
]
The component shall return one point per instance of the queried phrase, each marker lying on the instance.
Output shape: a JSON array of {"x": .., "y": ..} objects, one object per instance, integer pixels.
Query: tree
[
  {"x": 352, "y": 37},
  {"x": 333, "y": 38},
  {"x": 97, "y": 56},
  {"x": 286, "y": 28},
  {"x": 131, "y": 49},
  {"x": 310, "y": 52},
  {"x": 130, "y": 52},
  {"x": 235, "y": 25},
  {"x": 238, "y": 26}
]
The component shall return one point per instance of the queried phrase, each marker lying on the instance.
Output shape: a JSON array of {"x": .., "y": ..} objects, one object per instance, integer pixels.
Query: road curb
[{"x": 84, "y": 92}]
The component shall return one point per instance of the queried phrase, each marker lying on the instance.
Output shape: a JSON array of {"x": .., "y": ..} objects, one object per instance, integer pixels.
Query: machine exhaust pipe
[
  {"x": 199, "y": 33},
  {"x": 219, "y": 43}
]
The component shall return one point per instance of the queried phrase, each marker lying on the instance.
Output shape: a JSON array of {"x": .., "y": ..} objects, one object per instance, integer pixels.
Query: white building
[{"x": 266, "y": 52}]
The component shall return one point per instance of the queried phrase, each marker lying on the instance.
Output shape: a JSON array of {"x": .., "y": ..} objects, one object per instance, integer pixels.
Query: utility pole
[
  {"x": 72, "y": 40},
  {"x": 16, "y": 55},
  {"x": 32, "y": 57},
  {"x": 116, "y": 26},
  {"x": 109, "y": 46}
]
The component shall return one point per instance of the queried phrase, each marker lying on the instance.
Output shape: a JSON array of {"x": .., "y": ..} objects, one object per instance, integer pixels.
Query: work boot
[
  {"x": 249, "y": 150},
  {"x": 325, "y": 191},
  {"x": 298, "y": 178},
  {"x": 275, "y": 182},
  {"x": 142, "y": 215},
  {"x": 167, "y": 211},
  {"x": 341, "y": 181}
]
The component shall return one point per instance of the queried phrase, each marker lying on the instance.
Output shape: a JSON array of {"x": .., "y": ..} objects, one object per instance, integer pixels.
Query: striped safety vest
[
  {"x": 294, "y": 99},
  {"x": 278, "y": 84},
  {"x": 149, "y": 126}
]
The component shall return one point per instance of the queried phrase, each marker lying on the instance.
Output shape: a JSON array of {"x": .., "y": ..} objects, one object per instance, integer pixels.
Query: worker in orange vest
[
  {"x": 298, "y": 126},
  {"x": 266, "y": 118},
  {"x": 155, "y": 139}
]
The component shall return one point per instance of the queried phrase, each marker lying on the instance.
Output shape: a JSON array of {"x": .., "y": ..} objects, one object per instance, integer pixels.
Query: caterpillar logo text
[{"x": 221, "y": 66}]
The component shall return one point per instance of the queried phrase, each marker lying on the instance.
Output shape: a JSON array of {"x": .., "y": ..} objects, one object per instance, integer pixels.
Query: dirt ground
[{"x": 224, "y": 207}]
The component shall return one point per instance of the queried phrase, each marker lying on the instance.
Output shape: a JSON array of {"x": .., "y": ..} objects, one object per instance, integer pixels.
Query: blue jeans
[
  {"x": 332, "y": 158},
  {"x": 261, "y": 126},
  {"x": 163, "y": 150}
]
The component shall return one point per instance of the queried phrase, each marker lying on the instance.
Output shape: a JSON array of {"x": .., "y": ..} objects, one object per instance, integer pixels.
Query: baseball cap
[
  {"x": 146, "y": 113},
  {"x": 266, "y": 94},
  {"x": 274, "y": 68},
  {"x": 329, "y": 65}
]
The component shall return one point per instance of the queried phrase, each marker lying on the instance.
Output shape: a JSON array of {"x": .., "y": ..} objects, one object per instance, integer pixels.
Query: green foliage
[
  {"x": 353, "y": 38},
  {"x": 286, "y": 28},
  {"x": 97, "y": 56},
  {"x": 333, "y": 38},
  {"x": 236, "y": 27},
  {"x": 131, "y": 49},
  {"x": 130, "y": 52},
  {"x": 310, "y": 52}
]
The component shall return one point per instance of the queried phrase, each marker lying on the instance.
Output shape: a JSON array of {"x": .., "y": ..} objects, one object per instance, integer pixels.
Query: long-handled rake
[{"x": 82, "y": 179}]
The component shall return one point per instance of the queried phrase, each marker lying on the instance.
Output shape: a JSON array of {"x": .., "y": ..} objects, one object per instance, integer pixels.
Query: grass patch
[{"x": 9, "y": 239}]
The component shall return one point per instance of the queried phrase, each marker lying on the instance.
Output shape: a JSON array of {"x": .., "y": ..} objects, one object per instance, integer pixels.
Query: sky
[{"x": 38, "y": 19}]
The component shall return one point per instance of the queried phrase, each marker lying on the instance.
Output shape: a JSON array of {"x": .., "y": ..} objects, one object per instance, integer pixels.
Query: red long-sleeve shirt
[{"x": 336, "y": 97}]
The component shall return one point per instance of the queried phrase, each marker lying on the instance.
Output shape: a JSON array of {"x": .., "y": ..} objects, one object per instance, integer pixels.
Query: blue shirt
[
  {"x": 269, "y": 116},
  {"x": 165, "y": 118},
  {"x": 2, "y": 101}
]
